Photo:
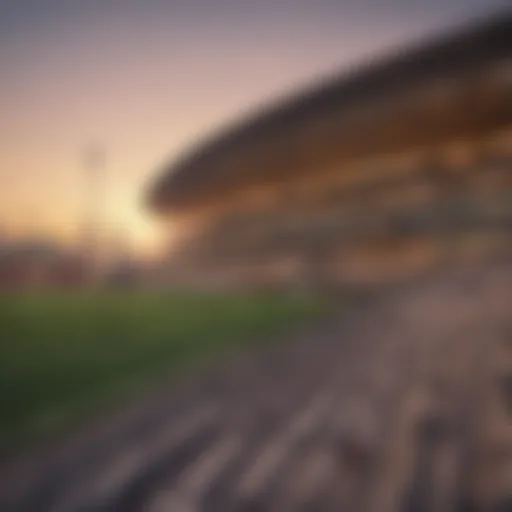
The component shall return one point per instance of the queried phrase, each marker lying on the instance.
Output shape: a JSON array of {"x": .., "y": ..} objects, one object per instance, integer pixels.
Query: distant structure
[
  {"x": 37, "y": 263},
  {"x": 94, "y": 164},
  {"x": 386, "y": 172}
]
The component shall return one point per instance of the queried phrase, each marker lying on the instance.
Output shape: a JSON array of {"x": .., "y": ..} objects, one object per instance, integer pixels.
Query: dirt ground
[{"x": 403, "y": 405}]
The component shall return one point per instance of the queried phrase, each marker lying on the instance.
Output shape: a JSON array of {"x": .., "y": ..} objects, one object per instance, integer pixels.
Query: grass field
[{"x": 63, "y": 355}]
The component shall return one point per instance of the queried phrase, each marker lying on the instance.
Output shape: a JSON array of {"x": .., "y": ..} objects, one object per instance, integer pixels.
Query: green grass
[{"x": 63, "y": 355}]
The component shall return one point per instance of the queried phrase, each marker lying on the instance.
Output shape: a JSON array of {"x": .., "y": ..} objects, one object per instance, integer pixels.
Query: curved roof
[{"x": 276, "y": 141}]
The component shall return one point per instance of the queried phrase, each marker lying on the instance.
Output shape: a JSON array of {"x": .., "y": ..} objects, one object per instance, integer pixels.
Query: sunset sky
[{"x": 147, "y": 77}]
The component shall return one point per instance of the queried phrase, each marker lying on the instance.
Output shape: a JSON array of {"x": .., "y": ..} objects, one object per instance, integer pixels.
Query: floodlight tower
[{"x": 94, "y": 166}]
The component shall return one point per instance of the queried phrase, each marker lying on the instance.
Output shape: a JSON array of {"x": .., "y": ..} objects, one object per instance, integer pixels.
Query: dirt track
[{"x": 405, "y": 406}]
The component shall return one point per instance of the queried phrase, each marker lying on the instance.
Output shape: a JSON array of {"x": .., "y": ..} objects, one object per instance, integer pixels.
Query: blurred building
[
  {"x": 31, "y": 264},
  {"x": 401, "y": 166}
]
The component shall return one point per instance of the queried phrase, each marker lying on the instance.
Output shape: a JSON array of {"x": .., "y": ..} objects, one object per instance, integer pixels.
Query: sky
[{"x": 146, "y": 78}]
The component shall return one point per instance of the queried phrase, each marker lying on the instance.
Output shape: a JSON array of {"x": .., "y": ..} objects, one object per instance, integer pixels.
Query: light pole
[{"x": 94, "y": 165}]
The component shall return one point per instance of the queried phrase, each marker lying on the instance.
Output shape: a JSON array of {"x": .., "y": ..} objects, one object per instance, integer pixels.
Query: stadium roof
[{"x": 348, "y": 117}]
